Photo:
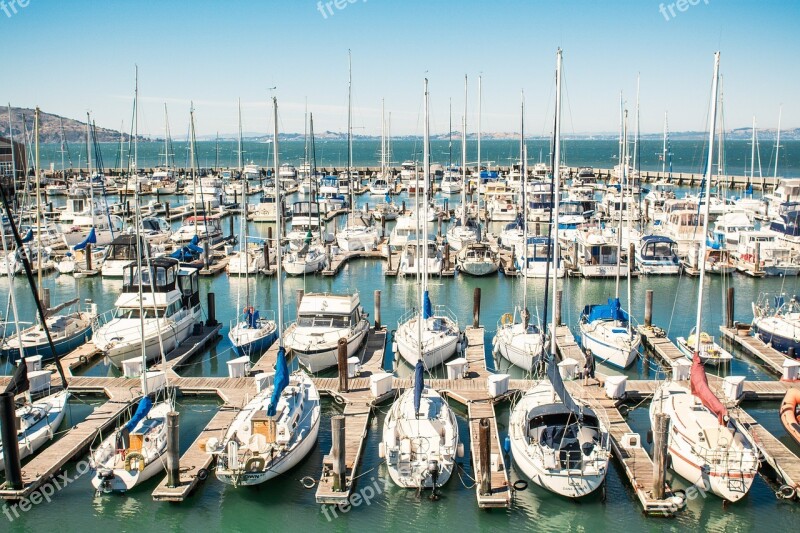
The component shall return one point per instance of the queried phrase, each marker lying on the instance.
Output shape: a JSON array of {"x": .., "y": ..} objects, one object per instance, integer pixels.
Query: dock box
[{"x": 498, "y": 384}]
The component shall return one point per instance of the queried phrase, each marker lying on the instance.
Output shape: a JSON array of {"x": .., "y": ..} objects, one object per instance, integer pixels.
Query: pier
[
  {"x": 656, "y": 341},
  {"x": 771, "y": 358}
]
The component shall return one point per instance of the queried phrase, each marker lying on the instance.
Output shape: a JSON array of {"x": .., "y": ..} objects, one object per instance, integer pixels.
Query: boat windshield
[
  {"x": 134, "y": 313},
  {"x": 323, "y": 321}
]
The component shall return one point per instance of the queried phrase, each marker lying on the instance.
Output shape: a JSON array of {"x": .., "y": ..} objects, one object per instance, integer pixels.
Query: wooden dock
[
  {"x": 195, "y": 462},
  {"x": 216, "y": 266},
  {"x": 568, "y": 348},
  {"x": 771, "y": 358},
  {"x": 356, "y": 422},
  {"x": 75, "y": 442},
  {"x": 499, "y": 494},
  {"x": 340, "y": 259},
  {"x": 636, "y": 463},
  {"x": 659, "y": 344},
  {"x": 785, "y": 463},
  {"x": 190, "y": 347},
  {"x": 475, "y": 353}
]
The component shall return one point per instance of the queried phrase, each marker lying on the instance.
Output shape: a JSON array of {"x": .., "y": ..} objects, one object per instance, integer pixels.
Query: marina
[{"x": 367, "y": 280}]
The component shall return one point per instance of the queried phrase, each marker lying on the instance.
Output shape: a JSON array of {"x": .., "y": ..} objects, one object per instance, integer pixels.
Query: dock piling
[
  {"x": 8, "y": 431},
  {"x": 89, "y": 256},
  {"x": 207, "y": 254},
  {"x": 447, "y": 256},
  {"x": 729, "y": 308},
  {"x": 342, "y": 362},
  {"x": 757, "y": 258},
  {"x": 648, "y": 308},
  {"x": 338, "y": 451},
  {"x": 660, "y": 442},
  {"x": 484, "y": 447},
  {"x": 166, "y": 211},
  {"x": 377, "y": 309},
  {"x": 476, "y": 307},
  {"x": 212, "y": 310},
  {"x": 557, "y": 310},
  {"x": 173, "y": 450}
]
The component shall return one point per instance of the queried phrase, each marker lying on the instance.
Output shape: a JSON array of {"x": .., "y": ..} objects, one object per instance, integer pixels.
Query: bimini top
[
  {"x": 609, "y": 311},
  {"x": 653, "y": 239}
]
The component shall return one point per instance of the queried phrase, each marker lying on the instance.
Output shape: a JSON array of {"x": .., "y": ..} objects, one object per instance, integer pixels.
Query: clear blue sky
[{"x": 70, "y": 57}]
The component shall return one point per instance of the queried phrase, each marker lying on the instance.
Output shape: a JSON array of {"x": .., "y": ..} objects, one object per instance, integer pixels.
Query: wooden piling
[
  {"x": 173, "y": 450},
  {"x": 88, "y": 252},
  {"x": 166, "y": 211},
  {"x": 212, "y": 310},
  {"x": 341, "y": 356},
  {"x": 648, "y": 308},
  {"x": 476, "y": 307},
  {"x": 729, "y": 308},
  {"x": 377, "y": 304},
  {"x": 338, "y": 451},
  {"x": 8, "y": 431},
  {"x": 447, "y": 256},
  {"x": 660, "y": 443},
  {"x": 757, "y": 258},
  {"x": 484, "y": 447},
  {"x": 557, "y": 310}
]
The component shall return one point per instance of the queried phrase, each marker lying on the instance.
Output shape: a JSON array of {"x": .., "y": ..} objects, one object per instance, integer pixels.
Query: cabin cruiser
[
  {"x": 655, "y": 254},
  {"x": 323, "y": 319},
  {"x": 411, "y": 260},
  {"x": 777, "y": 325},
  {"x": 84, "y": 213},
  {"x": 121, "y": 253},
  {"x": 477, "y": 259},
  {"x": 597, "y": 254},
  {"x": 170, "y": 303},
  {"x": 760, "y": 254},
  {"x": 204, "y": 227},
  {"x": 536, "y": 259}
]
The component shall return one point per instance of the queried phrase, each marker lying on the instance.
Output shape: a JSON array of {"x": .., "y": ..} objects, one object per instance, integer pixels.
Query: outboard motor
[{"x": 433, "y": 470}]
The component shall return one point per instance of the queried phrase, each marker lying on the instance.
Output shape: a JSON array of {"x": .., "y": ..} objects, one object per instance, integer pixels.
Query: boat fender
[
  {"x": 255, "y": 464},
  {"x": 520, "y": 485},
  {"x": 650, "y": 436},
  {"x": 460, "y": 450},
  {"x": 381, "y": 450},
  {"x": 202, "y": 474},
  {"x": 506, "y": 319},
  {"x": 138, "y": 457},
  {"x": 394, "y": 347},
  {"x": 507, "y": 445},
  {"x": 785, "y": 493}
]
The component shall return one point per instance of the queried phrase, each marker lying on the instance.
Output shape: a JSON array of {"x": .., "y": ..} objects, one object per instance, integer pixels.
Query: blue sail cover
[
  {"x": 281, "y": 380},
  {"x": 419, "y": 384},
  {"x": 427, "y": 308},
  {"x": 610, "y": 311},
  {"x": 387, "y": 198},
  {"x": 145, "y": 404},
  {"x": 90, "y": 239},
  {"x": 28, "y": 236}
]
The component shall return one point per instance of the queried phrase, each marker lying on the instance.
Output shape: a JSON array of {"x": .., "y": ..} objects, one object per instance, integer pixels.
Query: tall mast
[
  {"x": 38, "y": 207},
  {"x": 664, "y": 147},
  {"x": 464, "y": 160},
  {"x": 383, "y": 140},
  {"x": 777, "y": 148},
  {"x": 753, "y": 151},
  {"x": 243, "y": 217},
  {"x": 192, "y": 165},
  {"x": 621, "y": 208},
  {"x": 279, "y": 220},
  {"x": 523, "y": 170},
  {"x": 426, "y": 168},
  {"x": 89, "y": 167},
  {"x": 450, "y": 136},
  {"x": 703, "y": 241},
  {"x": 5, "y": 249},
  {"x": 556, "y": 193},
  {"x": 349, "y": 132},
  {"x": 135, "y": 129},
  {"x": 480, "y": 97}
]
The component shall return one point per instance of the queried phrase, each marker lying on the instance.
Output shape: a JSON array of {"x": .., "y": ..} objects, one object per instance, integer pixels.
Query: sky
[{"x": 72, "y": 57}]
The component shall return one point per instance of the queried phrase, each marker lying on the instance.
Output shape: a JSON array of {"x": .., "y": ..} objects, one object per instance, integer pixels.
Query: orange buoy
[{"x": 789, "y": 415}]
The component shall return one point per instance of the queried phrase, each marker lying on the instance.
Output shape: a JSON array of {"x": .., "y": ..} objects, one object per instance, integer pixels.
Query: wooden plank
[
  {"x": 356, "y": 425},
  {"x": 499, "y": 494},
  {"x": 771, "y": 358}
]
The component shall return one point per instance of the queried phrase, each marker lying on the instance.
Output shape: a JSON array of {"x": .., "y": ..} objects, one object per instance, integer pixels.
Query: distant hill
[{"x": 50, "y": 127}]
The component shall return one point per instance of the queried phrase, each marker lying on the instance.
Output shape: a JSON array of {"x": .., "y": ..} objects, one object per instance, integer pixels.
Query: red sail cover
[{"x": 700, "y": 388}]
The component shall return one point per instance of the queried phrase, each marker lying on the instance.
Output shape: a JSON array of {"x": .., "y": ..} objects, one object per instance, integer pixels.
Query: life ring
[
  {"x": 520, "y": 484},
  {"x": 255, "y": 464},
  {"x": 506, "y": 319},
  {"x": 785, "y": 493},
  {"x": 308, "y": 482},
  {"x": 202, "y": 474},
  {"x": 131, "y": 457}
]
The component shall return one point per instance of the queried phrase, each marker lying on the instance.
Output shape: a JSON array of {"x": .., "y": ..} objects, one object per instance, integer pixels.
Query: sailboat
[
  {"x": 557, "y": 442},
  {"x": 37, "y": 420},
  {"x": 135, "y": 452},
  {"x": 517, "y": 339},
  {"x": 463, "y": 232},
  {"x": 358, "y": 234},
  {"x": 606, "y": 329},
  {"x": 279, "y": 426},
  {"x": 706, "y": 446},
  {"x": 422, "y": 334},
  {"x": 420, "y": 439},
  {"x": 250, "y": 334}
]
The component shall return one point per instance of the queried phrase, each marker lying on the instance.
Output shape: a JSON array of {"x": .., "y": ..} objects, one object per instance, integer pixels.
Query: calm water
[
  {"x": 688, "y": 156},
  {"x": 217, "y": 507}
]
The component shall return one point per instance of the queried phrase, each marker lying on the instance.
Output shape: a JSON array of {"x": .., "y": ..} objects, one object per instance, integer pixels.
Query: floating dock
[
  {"x": 656, "y": 341},
  {"x": 771, "y": 358}
]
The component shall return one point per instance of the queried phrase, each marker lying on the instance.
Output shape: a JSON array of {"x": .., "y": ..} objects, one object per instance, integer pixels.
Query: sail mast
[
  {"x": 279, "y": 220},
  {"x": 710, "y": 161},
  {"x": 777, "y": 148},
  {"x": 523, "y": 170},
  {"x": 464, "y": 159},
  {"x": 556, "y": 193},
  {"x": 351, "y": 199},
  {"x": 38, "y": 208}
]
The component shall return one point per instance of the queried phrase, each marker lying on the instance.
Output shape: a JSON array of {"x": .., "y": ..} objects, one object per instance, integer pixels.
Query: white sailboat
[
  {"x": 279, "y": 426},
  {"x": 250, "y": 334},
  {"x": 558, "y": 443},
  {"x": 706, "y": 446},
  {"x": 461, "y": 234},
  {"x": 606, "y": 329},
  {"x": 427, "y": 334},
  {"x": 517, "y": 340}
]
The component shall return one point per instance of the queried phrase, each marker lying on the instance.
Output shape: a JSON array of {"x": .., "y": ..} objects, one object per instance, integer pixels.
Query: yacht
[
  {"x": 205, "y": 227},
  {"x": 535, "y": 260},
  {"x": 170, "y": 300},
  {"x": 597, "y": 254},
  {"x": 477, "y": 259},
  {"x": 121, "y": 253},
  {"x": 323, "y": 319},
  {"x": 777, "y": 325},
  {"x": 412, "y": 259},
  {"x": 655, "y": 254}
]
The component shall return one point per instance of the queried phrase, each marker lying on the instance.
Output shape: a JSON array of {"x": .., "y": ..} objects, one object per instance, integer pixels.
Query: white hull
[
  {"x": 608, "y": 346},
  {"x": 31, "y": 440}
]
